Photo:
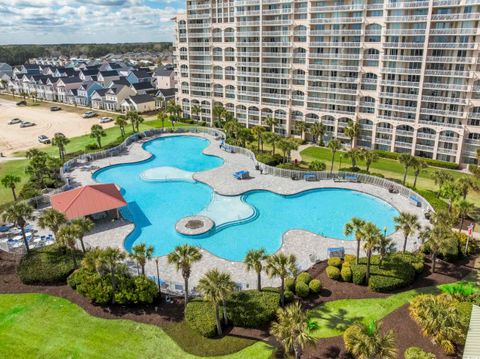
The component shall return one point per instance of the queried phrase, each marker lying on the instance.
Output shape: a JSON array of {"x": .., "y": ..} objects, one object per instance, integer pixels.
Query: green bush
[
  {"x": 92, "y": 147},
  {"x": 315, "y": 286},
  {"x": 358, "y": 273},
  {"x": 349, "y": 259},
  {"x": 396, "y": 272},
  {"x": 317, "y": 166},
  {"x": 465, "y": 310},
  {"x": 268, "y": 159},
  {"x": 346, "y": 273},
  {"x": 416, "y": 260},
  {"x": 335, "y": 262},
  {"x": 304, "y": 277},
  {"x": 302, "y": 289},
  {"x": 417, "y": 353},
  {"x": 47, "y": 265},
  {"x": 462, "y": 290},
  {"x": 200, "y": 316},
  {"x": 92, "y": 285},
  {"x": 288, "y": 296},
  {"x": 382, "y": 284},
  {"x": 290, "y": 283},
  {"x": 333, "y": 272},
  {"x": 253, "y": 309},
  {"x": 290, "y": 166}
]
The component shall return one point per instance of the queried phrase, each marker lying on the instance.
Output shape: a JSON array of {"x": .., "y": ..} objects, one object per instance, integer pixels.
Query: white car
[
  {"x": 14, "y": 121},
  {"x": 89, "y": 114},
  {"x": 106, "y": 119},
  {"x": 27, "y": 124},
  {"x": 43, "y": 139}
]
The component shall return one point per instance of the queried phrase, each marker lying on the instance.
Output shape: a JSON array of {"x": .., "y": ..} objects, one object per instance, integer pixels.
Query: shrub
[
  {"x": 136, "y": 290},
  {"x": 47, "y": 265},
  {"x": 415, "y": 260},
  {"x": 346, "y": 273},
  {"x": 200, "y": 316},
  {"x": 315, "y": 286},
  {"x": 290, "y": 166},
  {"x": 302, "y": 289},
  {"x": 379, "y": 283},
  {"x": 288, "y": 296},
  {"x": 91, "y": 285},
  {"x": 317, "y": 166},
  {"x": 304, "y": 277},
  {"x": 253, "y": 309},
  {"x": 91, "y": 147},
  {"x": 349, "y": 259},
  {"x": 289, "y": 283},
  {"x": 268, "y": 159},
  {"x": 417, "y": 353},
  {"x": 335, "y": 261},
  {"x": 333, "y": 272},
  {"x": 358, "y": 273},
  {"x": 462, "y": 290}
]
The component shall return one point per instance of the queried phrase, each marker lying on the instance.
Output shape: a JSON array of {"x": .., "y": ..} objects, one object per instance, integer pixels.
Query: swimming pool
[{"x": 160, "y": 191}]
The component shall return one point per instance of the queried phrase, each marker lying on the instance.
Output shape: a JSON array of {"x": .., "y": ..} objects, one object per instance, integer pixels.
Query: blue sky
[{"x": 86, "y": 21}]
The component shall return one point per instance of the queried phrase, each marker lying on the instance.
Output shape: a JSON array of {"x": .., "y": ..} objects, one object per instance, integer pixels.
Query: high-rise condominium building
[{"x": 407, "y": 71}]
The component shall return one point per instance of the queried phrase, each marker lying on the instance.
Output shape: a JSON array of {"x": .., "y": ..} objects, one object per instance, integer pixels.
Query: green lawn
[
  {"x": 388, "y": 167},
  {"x": 16, "y": 168},
  {"x": 42, "y": 326},
  {"x": 336, "y": 316}
]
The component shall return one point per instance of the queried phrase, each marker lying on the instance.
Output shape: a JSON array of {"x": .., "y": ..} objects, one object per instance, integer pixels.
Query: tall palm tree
[
  {"x": 141, "y": 253},
  {"x": 281, "y": 265},
  {"x": 352, "y": 131},
  {"x": 291, "y": 329},
  {"x": 122, "y": 122},
  {"x": 84, "y": 225},
  {"x": 227, "y": 286},
  {"x": 254, "y": 261},
  {"x": 407, "y": 161},
  {"x": 218, "y": 111},
  {"x": 67, "y": 236},
  {"x": 196, "y": 110},
  {"x": 60, "y": 141},
  {"x": 384, "y": 246},
  {"x": 52, "y": 219},
  {"x": 440, "y": 178},
  {"x": 466, "y": 183},
  {"x": 451, "y": 192},
  {"x": 214, "y": 289},
  {"x": 19, "y": 213},
  {"x": 464, "y": 209},
  {"x": 162, "y": 117},
  {"x": 183, "y": 257},
  {"x": 11, "y": 181},
  {"x": 440, "y": 241},
  {"x": 334, "y": 145},
  {"x": 287, "y": 145},
  {"x": 300, "y": 127},
  {"x": 317, "y": 130},
  {"x": 418, "y": 166},
  {"x": 272, "y": 139},
  {"x": 110, "y": 259},
  {"x": 369, "y": 157},
  {"x": 355, "y": 154},
  {"x": 271, "y": 123},
  {"x": 355, "y": 226},
  {"x": 135, "y": 119},
  {"x": 258, "y": 133},
  {"x": 371, "y": 238},
  {"x": 408, "y": 224},
  {"x": 97, "y": 132},
  {"x": 367, "y": 342}
]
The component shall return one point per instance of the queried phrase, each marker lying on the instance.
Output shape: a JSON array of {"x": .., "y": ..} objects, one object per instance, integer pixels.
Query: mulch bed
[{"x": 406, "y": 331}]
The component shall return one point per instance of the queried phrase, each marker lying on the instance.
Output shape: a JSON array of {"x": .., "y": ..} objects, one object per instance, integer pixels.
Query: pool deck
[{"x": 306, "y": 246}]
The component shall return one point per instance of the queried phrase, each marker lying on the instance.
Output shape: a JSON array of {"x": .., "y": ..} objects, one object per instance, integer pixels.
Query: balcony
[{"x": 437, "y": 112}]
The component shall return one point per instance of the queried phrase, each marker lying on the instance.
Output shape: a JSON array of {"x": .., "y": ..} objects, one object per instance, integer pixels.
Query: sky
[{"x": 87, "y": 21}]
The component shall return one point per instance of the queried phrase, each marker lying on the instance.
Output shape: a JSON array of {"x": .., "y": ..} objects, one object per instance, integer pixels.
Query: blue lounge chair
[
  {"x": 415, "y": 201},
  {"x": 351, "y": 178},
  {"x": 241, "y": 175},
  {"x": 310, "y": 177}
]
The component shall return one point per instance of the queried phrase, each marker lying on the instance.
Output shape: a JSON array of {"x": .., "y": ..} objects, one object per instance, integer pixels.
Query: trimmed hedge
[
  {"x": 333, "y": 272},
  {"x": 200, "y": 316},
  {"x": 47, "y": 265},
  {"x": 315, "y": 286},
  {"x": 358, "y": 273},
  {"x": 335, "y": 262},
  {"x": 349, "y": 259},
  {"x": 302, "y": 289},
  {"x": 253, "y": 309},
  {"x": 346, "y": 273},
  {"x": 304, "y": 277},
  {"x": 288, "y": 296},
  {"x": 417, "y": 353},
  {"x": 268, "y": 159}
]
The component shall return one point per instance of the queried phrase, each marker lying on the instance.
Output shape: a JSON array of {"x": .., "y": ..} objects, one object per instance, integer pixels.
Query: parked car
[
  {"x": 27, "y": 124},
  {"x": 89, "y": 114},
  {"x": 43, "y": 139},
  {"x": 106, "y": 119},
  {"x": 14, "y": 121},
  {"x": 22, "y": 103},
  {"x": 55, "y": 108}
]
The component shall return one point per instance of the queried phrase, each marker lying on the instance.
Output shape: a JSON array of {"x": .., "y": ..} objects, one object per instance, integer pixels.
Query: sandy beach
[{"x": 13, "y": 138}]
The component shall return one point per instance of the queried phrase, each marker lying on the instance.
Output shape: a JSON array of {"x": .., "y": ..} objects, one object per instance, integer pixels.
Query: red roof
[{"x": 88, "y": 200}]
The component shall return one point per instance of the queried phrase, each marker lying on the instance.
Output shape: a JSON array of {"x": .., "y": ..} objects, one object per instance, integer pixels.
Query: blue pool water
[{"x": 156, "y": 206}]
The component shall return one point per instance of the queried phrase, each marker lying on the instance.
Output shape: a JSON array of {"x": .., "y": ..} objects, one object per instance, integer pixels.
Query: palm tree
[
  {"x": 407, "y": 161},
  {"x": 317, "y": 130},
  {"x": 369, "y": 157},
  {"x": 355, "y": 226},
  {"x": 52, "y": 219},
  {"x": 60, "y": 141},
  {"x": 183, "y": 257},
  {"x": 97, "y": 133},
  {"x": 67, "y": 236},
  {"x": 272, "y": 139},
  {"x": 352, "y": 131},
  {"x": 218, "y": 111},
  {"x": 254, "y": 261},
  {"x": 84, "y": 225},
  {"x": 418, "y": 166},
  {"x": 271, "y": 123},
  {"x": 300, "y": 127},
  {"x": 384, "y": 246},
  {"x": 440, "y": 178},
  {"x": 162, "y": 117},
  {"x": 367, "y": 342},
  {"x": 408, "y": 224},
  {"x": 334, "y": 145},
  {"x": 135, "y": 119},
  {"x": 174, "y": 110},
  {"x": 354, "y": 154},
  {"x": 110, "y": 259},
  {"x": 196, "y": 110},
  {"x": 439, "y": 240},
  {"x": 281, "y": 265},
  {"x": 11, "y": 181},
  {"x": 215, "y": 286},
  {"x": 287, "y": 145},
  {"x": 19, "y": 214},
  {"x": 371, "y": 238},
  {"x": 291, "y": 329},
  {"x": 258, "y": 133},
  {"x": 227, "y": 286},
  {"x": 464, "y": 209},
  {"x": 466, "y": 183},
  {"x": 451, "y": 192},
  {"x": 141, "y": 253},
  {"x": 122, "y": 122}
]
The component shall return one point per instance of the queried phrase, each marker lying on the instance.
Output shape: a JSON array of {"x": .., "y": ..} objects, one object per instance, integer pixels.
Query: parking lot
[{"x": 13, "y": 138}]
